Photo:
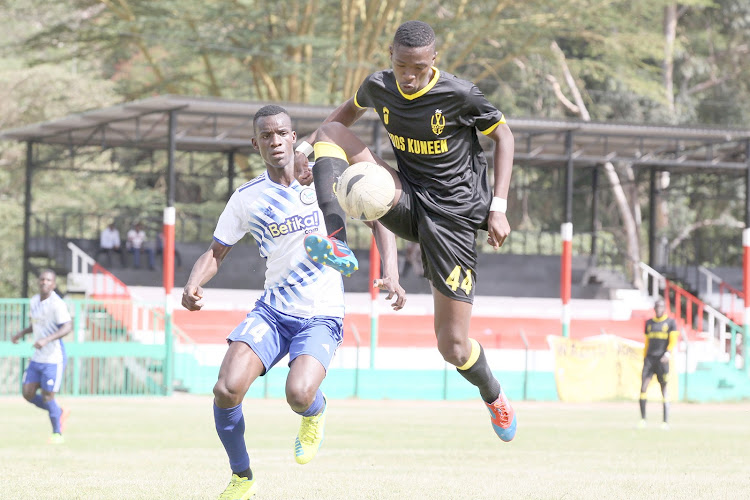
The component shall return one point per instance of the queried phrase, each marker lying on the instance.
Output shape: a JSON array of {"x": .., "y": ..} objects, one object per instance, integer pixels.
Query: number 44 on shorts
[{"x": 454, "y": 279}]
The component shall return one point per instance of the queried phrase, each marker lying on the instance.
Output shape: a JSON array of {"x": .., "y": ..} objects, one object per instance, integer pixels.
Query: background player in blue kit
[
  {"x": 301, "y": 309},
  {"x": 443, "y": 196},
  {"x": 50, "y": 322}
]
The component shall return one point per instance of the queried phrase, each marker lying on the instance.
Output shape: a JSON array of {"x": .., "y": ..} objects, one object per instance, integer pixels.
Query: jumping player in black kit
[
  {"x": 443, "y": 195},
  {"x": 661, "y": 337}
]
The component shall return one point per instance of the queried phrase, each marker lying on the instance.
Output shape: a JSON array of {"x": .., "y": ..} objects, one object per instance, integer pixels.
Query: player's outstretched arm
[
  {"x": 203, "y": 270},
  {"x": 347, "y": 113},
  {"x": 498, "y": 226},
  {"x": 386, "y": 242},
  {"x": 18, "y": 336}
]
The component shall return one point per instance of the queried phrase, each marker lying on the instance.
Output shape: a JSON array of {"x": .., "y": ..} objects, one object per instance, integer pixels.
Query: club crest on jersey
[
  {"x": 386, "y": 112},
  {"x": 294, "y": 224},
  {"x": 307, "y": 196},
  {"x": 438, "y": 122}
]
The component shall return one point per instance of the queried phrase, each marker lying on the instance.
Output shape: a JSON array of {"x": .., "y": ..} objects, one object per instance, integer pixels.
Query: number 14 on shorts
[
  {"x": 454, "y": 280},
  {"x": 259, "y": 328}
]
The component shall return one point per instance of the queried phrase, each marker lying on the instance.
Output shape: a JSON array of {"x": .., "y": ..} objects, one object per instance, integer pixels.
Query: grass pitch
[{"x": 167, "y": 448}]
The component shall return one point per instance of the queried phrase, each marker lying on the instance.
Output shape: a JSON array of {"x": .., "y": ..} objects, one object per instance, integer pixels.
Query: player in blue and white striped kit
[
  {"x": 301, "y": 309},
  {"x": 50, "y": 322}
]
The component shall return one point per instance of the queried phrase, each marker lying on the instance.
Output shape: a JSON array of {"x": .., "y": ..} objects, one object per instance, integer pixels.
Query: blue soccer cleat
[
  {"x": 331, "y": 252},
  {"x": 503, "y": 417}
]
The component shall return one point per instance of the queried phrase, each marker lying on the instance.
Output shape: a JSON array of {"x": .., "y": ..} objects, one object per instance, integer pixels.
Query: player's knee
[
  {"x": 454, "y": 353},
  {"x": 226, "y": 396},
  {"x": 300, "y": 394}
]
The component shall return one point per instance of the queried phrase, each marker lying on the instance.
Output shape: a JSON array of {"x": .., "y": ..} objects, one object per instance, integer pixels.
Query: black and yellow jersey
[
  {"x": 433, "y": 134},
  {"x": 661, "y": 336}
]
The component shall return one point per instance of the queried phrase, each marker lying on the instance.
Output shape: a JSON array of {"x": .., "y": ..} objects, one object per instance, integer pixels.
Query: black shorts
[
  {"x": 449, "y": 252},
  {"x": 652, "y": 365}
]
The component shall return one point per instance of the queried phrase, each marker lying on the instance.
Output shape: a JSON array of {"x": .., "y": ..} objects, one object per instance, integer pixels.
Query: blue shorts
[
  {"x": 47, "y": 375},
  {"x": 273, "y": 335}
]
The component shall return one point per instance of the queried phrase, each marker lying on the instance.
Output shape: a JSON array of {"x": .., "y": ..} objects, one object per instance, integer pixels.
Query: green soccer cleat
[
  {"x": 641, "y": 424},
  {"x": 310, "y": 437},
  {"x": 56, "y": 438},
  {"x": 239, "y": 488},
  {"x": 331, "y": 252}
]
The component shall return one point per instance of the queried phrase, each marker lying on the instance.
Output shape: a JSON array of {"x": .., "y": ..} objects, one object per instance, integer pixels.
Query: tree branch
[
  {"x": 561, "y": 97},
  {"x": 583, "y": 111},
  {"x": 687, "y": 230}
]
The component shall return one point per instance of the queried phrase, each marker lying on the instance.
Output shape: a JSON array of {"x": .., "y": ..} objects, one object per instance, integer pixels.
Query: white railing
[
  {"x": 712, "y": 326},
  {"x": 82, "y": 264},
  {"x": 719, "y": 294},
  {"x": 718, "y": 327},
  {"x": 651, "y": 287}
]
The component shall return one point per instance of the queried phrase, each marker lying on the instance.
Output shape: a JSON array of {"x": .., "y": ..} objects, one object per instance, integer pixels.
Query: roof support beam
[
  {"x": 27, "y": 218},
  {"x": 569, "y": 176},
  {"x": 652, "y": 201}
]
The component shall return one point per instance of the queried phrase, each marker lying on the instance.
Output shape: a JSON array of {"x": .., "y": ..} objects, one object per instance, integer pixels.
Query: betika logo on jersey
[{"x": 294, "y": 224}]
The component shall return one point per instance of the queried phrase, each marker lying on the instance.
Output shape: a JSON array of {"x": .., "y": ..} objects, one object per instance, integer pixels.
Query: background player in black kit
[
  {"x": 661, "y": 337},
  {"x": 443, "y": 194}
]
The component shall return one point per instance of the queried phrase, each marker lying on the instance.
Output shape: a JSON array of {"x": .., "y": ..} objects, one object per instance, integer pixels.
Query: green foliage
[{"x": 66, "y": 57}]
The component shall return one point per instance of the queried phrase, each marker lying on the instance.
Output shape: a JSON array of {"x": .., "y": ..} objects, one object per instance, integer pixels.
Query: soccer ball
[{"x": 365, "y": 191}]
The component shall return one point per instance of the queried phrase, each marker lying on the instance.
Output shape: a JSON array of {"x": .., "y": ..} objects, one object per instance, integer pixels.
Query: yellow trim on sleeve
[
  {"x": 357, "y": 103},
  {"x": 489, "y": 130},
  {"x": 476, "y": 350},
  {"x": 328, "y": 149},
  {"x": 674, "y": 335}
]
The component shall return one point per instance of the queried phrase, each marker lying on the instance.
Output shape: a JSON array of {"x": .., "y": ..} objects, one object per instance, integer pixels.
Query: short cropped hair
[
  {"x": 47, "y": 270},
  {"x": 414, "y": 34},
  {"x": 268, "y": 110}
]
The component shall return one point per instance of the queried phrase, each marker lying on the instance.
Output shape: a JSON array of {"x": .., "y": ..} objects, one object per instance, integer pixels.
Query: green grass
[{"x": 166, "y": 448}]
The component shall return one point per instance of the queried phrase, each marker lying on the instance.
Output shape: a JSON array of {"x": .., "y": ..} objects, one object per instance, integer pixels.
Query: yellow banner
[{"x": 603, "y": 368}]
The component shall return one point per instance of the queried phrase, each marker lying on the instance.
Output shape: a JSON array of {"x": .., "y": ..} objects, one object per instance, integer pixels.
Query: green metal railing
[{"x": 117, "y": 348}]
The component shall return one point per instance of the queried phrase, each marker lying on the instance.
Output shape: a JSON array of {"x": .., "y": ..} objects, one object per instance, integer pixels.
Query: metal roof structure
[
  {"x": 221, "y": 126},
  {"x": 211, "y": 125}
]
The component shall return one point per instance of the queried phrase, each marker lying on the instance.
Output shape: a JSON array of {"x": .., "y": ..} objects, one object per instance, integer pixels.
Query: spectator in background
[
  {"x": 661, "y": 337},
  {"x": 137, "y": 243},
  {"x": 109, "y": 243}
]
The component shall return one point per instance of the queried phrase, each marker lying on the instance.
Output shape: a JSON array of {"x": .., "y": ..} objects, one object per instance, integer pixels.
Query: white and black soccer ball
[{"x": 365, "y": 191}]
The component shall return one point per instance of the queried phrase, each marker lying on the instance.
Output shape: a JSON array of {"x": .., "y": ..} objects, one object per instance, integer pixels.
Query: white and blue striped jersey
[
  {"x": 47, "y": 316},
  {"x": 278, "y": 218}
]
